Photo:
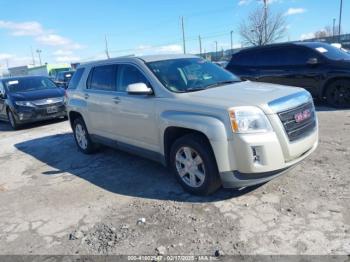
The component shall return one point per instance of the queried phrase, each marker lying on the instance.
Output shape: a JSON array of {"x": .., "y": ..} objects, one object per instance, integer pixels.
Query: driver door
[{"x": 135, "y": 121}]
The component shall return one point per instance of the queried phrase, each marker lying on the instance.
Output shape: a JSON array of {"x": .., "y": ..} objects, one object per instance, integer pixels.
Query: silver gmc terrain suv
[{"x": 202, "y": 121}]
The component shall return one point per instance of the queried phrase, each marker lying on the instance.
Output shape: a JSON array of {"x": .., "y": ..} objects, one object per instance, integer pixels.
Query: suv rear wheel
[
  {"x": 338, "y": 93},
  {"x": 82, "y": 137},
  {"x": 194, "y": 165}
]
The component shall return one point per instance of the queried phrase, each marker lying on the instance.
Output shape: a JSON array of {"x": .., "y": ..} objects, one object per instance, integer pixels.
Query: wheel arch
[
  {"x": 329, "y": 82},
  {"x": 73, "y": 115},
  {"x": 175, "y": 125}
]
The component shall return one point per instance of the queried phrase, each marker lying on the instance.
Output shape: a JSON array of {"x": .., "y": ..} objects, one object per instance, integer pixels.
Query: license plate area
[{"x": 52, "y": 109}]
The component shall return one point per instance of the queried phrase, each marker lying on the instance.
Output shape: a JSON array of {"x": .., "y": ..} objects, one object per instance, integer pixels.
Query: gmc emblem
[{"x": 302, "y": 116}]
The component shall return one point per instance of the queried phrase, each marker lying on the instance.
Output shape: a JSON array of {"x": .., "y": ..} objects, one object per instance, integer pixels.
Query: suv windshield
[
  {"x": 28, "y": 84},
  {"x": 190, "y": 74},
  {"x": 331, "y": 52}
]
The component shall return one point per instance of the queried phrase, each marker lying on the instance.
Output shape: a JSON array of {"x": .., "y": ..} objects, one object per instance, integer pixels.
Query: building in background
[{"x": 44, "y": 70}]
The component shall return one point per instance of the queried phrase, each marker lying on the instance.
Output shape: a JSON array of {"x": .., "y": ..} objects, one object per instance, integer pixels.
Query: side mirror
[
  {"x": 313, "y": 61},
  {"x": 139, "y": 89}
]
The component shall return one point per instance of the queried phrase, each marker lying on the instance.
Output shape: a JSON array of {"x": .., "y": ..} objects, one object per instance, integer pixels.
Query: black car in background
[
  {"x": 322, "y": 69},
  {"x": 62, "y": 78},
  {"x": 30, "y": 99}
]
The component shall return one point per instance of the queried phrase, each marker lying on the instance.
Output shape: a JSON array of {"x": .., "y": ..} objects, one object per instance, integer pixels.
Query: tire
[
  {"x": 338, "y": 94},
  {"x": 82, "y": 137},
  {"x": 199, "y": 176},
  {"x": 12, "y": 120}
]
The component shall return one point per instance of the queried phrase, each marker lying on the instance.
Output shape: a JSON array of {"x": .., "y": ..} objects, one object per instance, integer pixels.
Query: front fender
[{"x": 212, "y": 127}]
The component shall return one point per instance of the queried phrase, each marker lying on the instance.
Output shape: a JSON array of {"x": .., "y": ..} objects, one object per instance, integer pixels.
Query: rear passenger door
[
  {"x": 100, "y": 96},
  {"x": 135, "y": 120}
]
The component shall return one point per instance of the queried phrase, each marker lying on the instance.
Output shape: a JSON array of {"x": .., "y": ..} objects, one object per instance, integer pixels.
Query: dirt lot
[{"x": 55, "y": 200}]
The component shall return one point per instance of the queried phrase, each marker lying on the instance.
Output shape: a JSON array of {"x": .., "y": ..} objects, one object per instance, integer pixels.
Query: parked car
[
  {"x": 30, "y": 99},
  {"x": 197, "y": 118},
  {"x": 322, "y": 69},
  {"x": 62, "y": 78}
]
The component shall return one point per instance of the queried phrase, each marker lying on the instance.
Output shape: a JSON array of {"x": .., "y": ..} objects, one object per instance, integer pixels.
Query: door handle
[
  {"x": 86, "y": 96},
  {"x": 116, "y": 99}
]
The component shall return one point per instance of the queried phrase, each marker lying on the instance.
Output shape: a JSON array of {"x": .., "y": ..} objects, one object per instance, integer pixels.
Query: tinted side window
[
  {"x": 129, "y": 75},
  {"x": 102, "y": 78},
  {"x": 244, "y": 59},
  {"x": 268, "y": 57},
  {"x": 2, "y": 89},
  {"x": 73, "y": 84},
  {"x": 298, "y": 56}
]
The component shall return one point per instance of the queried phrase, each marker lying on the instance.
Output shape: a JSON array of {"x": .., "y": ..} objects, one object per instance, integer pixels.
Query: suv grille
[{"x": 299, "y": 121}]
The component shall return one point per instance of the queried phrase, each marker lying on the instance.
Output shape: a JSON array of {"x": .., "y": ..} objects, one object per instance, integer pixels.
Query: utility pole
[
  {"x": 33, "y": 60},
  {"x": 106, "y": 46},
  {"x": 39, "y": 52},
  {"x": 200, "y": 45},
  {"x": 340, "y": 16},
  {"x": 183, "y": 34},
  {"x": 265, "y": 20},
  {"x": 216, "y": 50},
  {"x": 334, "y": 28},
  {"x": 231, "y": 42}
]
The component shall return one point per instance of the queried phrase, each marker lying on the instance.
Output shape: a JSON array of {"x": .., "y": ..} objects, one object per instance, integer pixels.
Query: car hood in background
[
  {"x": 37, "y": 94},
  {"x": 245, "y": 93}
]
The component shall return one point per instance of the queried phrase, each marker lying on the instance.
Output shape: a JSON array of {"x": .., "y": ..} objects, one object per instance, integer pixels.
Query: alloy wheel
[
  {"x": 190, "y": 167},
  {"x": 80, "y": 135}
]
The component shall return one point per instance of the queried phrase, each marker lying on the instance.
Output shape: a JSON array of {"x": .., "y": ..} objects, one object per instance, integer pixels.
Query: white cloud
[
  {"x": 170, "y": 49},
  {"x": 67, "y": 58},
  {"x": 165, "y": 49},
  {"x": 4, "y": 56},
  {"x": 295, "y": 11},
  {"x": 53, "y": 40},
  {"x": 307, "y": 36},
  {"x": 61, "y": 52},
  {"x": 42, "y": 35},
  {"x": 243, "y": 2},
  {"x": 30, "y": 28}
]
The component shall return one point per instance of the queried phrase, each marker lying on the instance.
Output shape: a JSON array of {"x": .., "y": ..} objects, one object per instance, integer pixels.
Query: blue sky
[{"x": 69, "y": 30}]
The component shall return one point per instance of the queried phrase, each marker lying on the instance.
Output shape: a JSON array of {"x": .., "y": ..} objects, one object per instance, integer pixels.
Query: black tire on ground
[
  {"x": 12, "y": 120},
  {"x": 80, "y": 130},
  {"x": 338, "y": 93},
  {"x": 201, "y": 147}
]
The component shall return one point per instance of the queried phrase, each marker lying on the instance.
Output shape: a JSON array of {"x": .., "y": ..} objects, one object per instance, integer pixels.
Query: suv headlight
[
  {"x": 248, "y": 119},
  {"x": 24, "y": 103}
]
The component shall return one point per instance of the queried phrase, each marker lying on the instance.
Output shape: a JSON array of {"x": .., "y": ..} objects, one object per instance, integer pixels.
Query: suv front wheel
[
  {"x": 194, "y": 165},
  {"x": 82, "y": 137}
]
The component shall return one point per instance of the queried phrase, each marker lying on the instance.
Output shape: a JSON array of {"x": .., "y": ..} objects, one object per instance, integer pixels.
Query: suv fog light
[
  {"x": 256, "y": 155},
  {"x": 21, "y": 116}
]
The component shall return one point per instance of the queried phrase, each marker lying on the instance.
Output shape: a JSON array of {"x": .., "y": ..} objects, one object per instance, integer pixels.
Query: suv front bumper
[{"x": 256, "y": 159}]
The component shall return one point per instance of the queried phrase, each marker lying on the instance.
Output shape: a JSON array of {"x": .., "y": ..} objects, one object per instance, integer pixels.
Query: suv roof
[
  {"x": 297, "y": 43},
  {"x": 147, "y": 59}
]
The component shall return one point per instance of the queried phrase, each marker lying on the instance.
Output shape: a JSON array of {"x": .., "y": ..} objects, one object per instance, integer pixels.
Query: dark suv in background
[
  {"x": 322, "y": 69},
  {"x": 62, "y": 78}
]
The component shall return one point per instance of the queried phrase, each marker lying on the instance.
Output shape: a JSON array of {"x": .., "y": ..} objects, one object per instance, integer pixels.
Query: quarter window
[
  {"x": 74, "y": 82},
  {"x": 102, "y": 78},
  {"x": 128, "y": 75}
]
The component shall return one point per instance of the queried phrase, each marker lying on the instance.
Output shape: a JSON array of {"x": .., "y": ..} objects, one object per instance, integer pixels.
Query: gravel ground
[{"x": 55, "y": 200}]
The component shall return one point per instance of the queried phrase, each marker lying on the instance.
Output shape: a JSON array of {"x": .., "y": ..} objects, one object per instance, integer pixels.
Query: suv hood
[{"x": 245, "y": 94}]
